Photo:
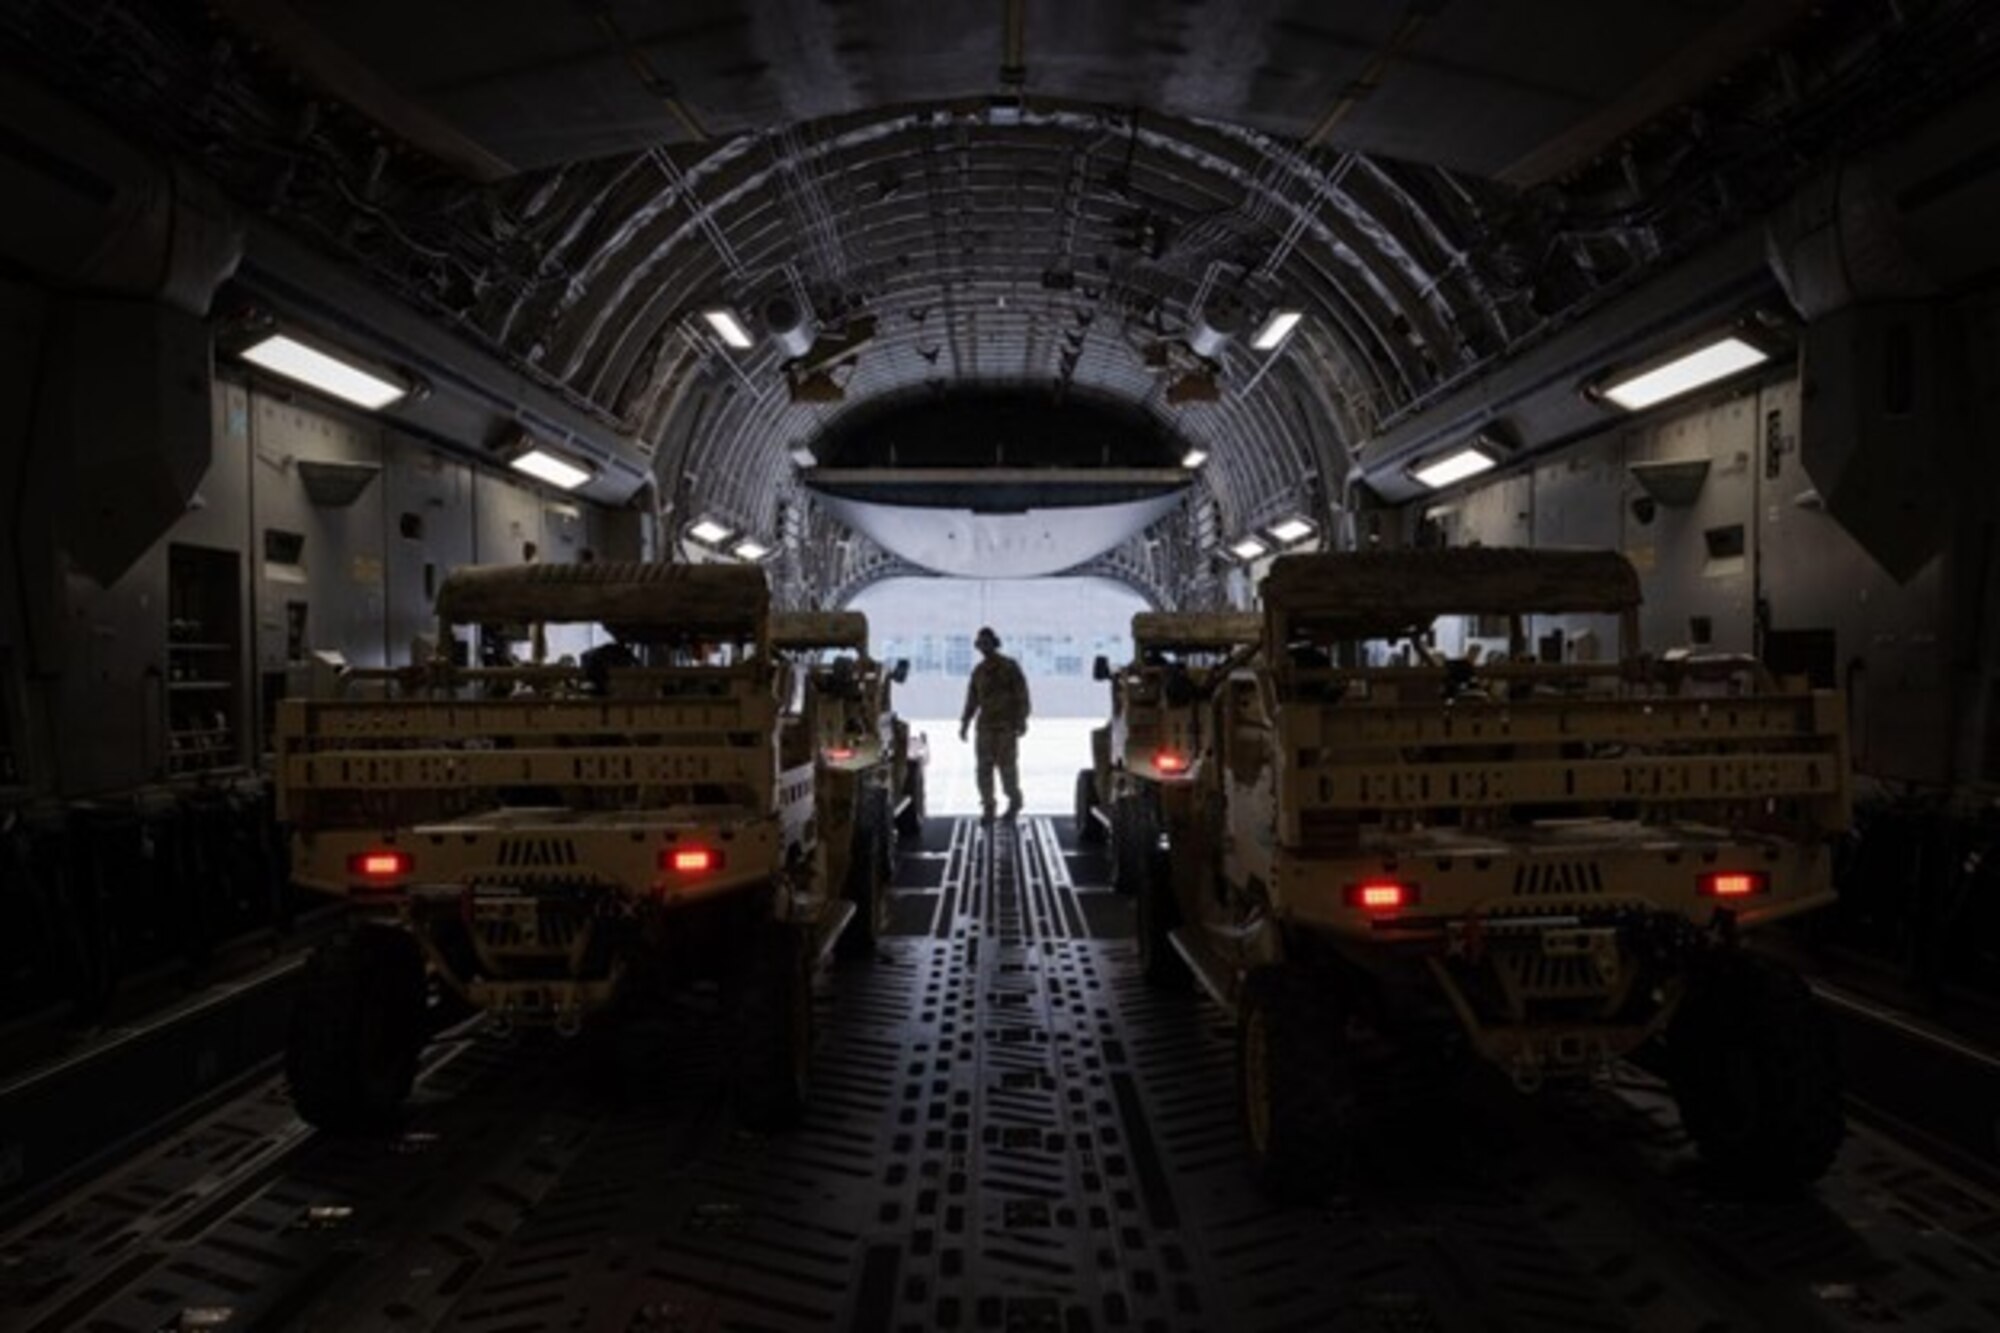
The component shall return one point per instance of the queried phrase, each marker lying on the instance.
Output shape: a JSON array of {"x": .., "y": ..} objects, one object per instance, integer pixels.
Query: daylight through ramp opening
[{"x": 1053, "y": 627}]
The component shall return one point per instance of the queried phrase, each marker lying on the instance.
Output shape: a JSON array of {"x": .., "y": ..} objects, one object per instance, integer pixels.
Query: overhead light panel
[
  {"x": 728, "y": 327},
  {"x": 1686, "y": 372},
  {"x": 556, "y": 470},
  {"x": 316, "y": 368},
  {"x": 1454, "y": 467},
  {"x": 749, "y": 550},
  {"x": 1291, "y": 530},
  {"x": 1249, "y": 548},
  {"x": 1276, "y": 329},
  {"x": 708, "y": 530},
  {"x": 1194, "y": 458}
]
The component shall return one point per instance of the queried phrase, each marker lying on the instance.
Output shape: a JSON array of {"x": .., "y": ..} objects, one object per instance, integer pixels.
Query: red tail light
[
  {"x": 691, "y": 860},
  {"x": 839, "y": 754},
  {"x": 1170, "y": 761},
  {"x": 1734, "y": 884},
  {"x": 1381, "y": 895},
  {"x": 379, "y": 867}
]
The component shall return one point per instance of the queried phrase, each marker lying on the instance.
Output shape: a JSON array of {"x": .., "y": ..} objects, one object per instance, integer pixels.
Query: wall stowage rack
[{"x": 204, "y": 660}]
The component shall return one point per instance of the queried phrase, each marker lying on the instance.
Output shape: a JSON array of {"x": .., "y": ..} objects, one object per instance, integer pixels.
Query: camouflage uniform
[{"x": 998, "y": 696}]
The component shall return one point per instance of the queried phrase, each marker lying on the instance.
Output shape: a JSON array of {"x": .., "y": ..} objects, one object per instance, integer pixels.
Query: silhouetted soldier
[{"x": 998, "y": 696}]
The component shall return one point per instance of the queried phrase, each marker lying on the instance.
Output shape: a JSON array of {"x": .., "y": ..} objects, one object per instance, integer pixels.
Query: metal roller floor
[{"x": 1010, "y": 1132}]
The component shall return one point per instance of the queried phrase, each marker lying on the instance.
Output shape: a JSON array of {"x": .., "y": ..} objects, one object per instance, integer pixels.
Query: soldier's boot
[{"x": 1013, "y": 807}]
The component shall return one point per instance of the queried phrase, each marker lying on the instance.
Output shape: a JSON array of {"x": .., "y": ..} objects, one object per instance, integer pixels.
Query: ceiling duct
[
  {"x": 108, "y": 218},
  {"x": 1886, "y": 394},
  {"x": 1839, "y": 240},
  {"x": 1910, "y": 219},
  {"x": 124, "y": 411},
  {"x": 1883, "y": 426}
]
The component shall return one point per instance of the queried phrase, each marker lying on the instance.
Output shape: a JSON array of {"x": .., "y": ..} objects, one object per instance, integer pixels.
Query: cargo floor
[{"x": 1010, "y": 1132}]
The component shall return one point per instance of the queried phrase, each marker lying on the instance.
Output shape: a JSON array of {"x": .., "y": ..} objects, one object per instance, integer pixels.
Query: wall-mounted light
[
  {"x": 1680, "y": 372},
  {"x": 1276, "y": 329},
  {"x": 790, "y": 326},
  {"x": 1211, "y": 329},
  {"x": 1194, "y": 458},
  {"x": 709, "y": 531},
  {"x": 802, "y": 456},
  {"x": 750, "y": 550},
  {"x": 1249, "y": 548},
  {"x": 1291, "y": 530},
  {"x": 557, "y": 470},
  {"x": 728, "y": 326},
  {"x": 317, "y": 366},
  {"x": 1454, "y": 467}
]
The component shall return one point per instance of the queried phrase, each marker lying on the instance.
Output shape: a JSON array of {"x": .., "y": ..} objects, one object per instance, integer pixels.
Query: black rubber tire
[
  {"x": 910, "y": 819},
  {"x": 1135, "y": 832},
  {"x": 1088, "y": 827},
  {"x": 1296, "y": 1095},
  {"x": 1752, "y": 1060},
  {"x": 1158, "y": 913},
  {"x": 357, "y": 1029},
  {"x": 867, "y": 884},
  {"x": 98, "y": 946},
  {"x": 774, "y": 1007},
  {"x": 885, "y": 844}
]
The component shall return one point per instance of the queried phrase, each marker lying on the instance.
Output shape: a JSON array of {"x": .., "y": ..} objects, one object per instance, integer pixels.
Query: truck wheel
[
  {"x": 867, "y": 877},
  {"x": 1135, "y": 833},
  {"x": 357, "y": 1029},
  {"x": 1295, "y": 1092},
  {"x": 885, "y": 843},
  {"x": 775, "y": 1009},
  {"x": 1158, "y": 913},
  {"x": 1752, "y": 1062},
  {"x": 1088, "y": 829},
  {"x": 910, "y": 819}
]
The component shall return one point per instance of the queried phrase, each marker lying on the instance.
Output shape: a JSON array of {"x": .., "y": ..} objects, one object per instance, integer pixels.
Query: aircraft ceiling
[{"x": 960, "y": 198}]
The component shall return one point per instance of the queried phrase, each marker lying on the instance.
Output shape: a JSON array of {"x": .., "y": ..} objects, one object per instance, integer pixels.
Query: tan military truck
[
  {"x": 546, "y": 839},
  {"x": 1550, "y": 864},
  {"x": 1159, "y": 738},
  {"x": 867, "y": 777}
]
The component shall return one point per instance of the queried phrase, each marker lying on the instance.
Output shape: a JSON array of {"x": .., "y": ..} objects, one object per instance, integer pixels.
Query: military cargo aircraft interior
[{"x": 1222, "y": 665}]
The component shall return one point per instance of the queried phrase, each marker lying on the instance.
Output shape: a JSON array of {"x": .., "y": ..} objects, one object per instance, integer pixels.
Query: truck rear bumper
[
  {"x": 1586, "y": 870},
  {"x": 664, "y": 858},
  {"x": 1559, "y": 951},
  {"x": 534, "y": 915}
]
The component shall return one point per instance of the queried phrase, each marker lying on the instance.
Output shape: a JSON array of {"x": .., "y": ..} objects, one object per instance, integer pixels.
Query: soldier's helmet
[{"x": 986, "y": 638}]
